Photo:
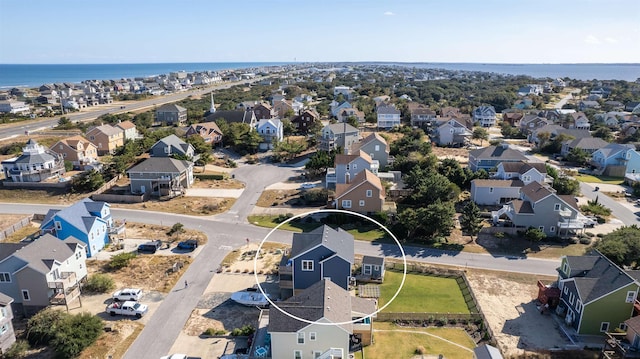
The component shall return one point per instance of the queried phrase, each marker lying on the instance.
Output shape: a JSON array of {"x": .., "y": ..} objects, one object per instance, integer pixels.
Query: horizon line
[{"x": 332, "y": 62}]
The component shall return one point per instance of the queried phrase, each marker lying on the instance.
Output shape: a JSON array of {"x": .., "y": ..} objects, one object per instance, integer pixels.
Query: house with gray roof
[
  {"x": 375, "y": 146},
  {"x": 233, "y": 116},
  {"x": 46, "y": 271},
  {"x": 451, "y": 133},
  {"x": 7, "y": 334},
  {"x": 322, "y": 253},
  {"x": 161, "y": 176},
  {"x": 171, "y": 115},
  {"x": 484, "y": 115},
  {"x": 86, "y": 220},
  {"x": 539, "y": 206},
  {"x": 35, "y": 164},
  {"x": 172, "y": 146},
  {"x": 596, "y": 296},
  {"x": 388, "y": 116},
  {"x": 488, "y": 158},
  {"x": 587, "y": 144},
  {"x": 321, "y": 304},
  {"x": 338, "y": 135}
]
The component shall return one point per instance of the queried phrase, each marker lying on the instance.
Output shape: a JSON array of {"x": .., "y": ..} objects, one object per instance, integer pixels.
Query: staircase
[{"x": 332, "y": 353}]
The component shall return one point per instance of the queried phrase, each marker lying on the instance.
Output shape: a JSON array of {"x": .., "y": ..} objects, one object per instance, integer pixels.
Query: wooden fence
[{"x": 7, "y": 231}]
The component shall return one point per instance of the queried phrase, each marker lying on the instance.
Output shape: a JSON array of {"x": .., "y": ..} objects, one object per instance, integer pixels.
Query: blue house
[
  {"x": 322, "y": 253},
  {"x": 87, "y": 220},
  {"x": 616, "y": 160}
]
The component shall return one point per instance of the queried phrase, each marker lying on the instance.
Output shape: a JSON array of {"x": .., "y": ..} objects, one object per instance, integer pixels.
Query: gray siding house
[
  {"x": 171, "y": 146},
  {"x": 489, "y": 192},
  {"x": 338, "y": 135},
  {"x": 373, "y": 268},
  {"x": 540, "y": 207},
  {"x": 162, "y": 176},
  {"x": 170, "y": 115},
  {"x": 375, "y": 146},
  {"x": 322, "y": 253},
  {"x": 44, "y": 272},
  {"x": 346, "y": 167}
]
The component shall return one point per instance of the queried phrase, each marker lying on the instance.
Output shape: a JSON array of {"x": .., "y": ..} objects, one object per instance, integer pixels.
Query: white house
[
  {"x": 452, "y": 132},
  {"x": 388, "y": 116},
  {"x": 484, "y": 115},
  {"x": 14, "y": 107},
  {"x": 271, "y": 131}
]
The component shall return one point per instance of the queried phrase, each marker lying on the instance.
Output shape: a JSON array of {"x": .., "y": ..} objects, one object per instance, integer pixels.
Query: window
[
  {"x": 541, "y": 228},
  {"x": 556, "y": 207},
  {"x": 565, "y": 268},
  {"x": 58, "y": 225},
  {"x": 604, "y": 327},
  {"x": 578, "y": 305},
  {"x": 300, "y": 337},
  {"x": 317, "y": 354},
  {"x": 307, "y": 265},
  {"x": 297, "y": 354},
  {"x": 361, "y": 203},
  {"x": 346, "y": 203},
  {"x": 355, "y": 166},
  {"x": 631, "y": 296},
  {"x": 369, "y": 193},
  {"x": 377, "y": 148},
  {"x": 25, "y": 295},
  {"x": 366, "y": 269},
  {"x": 5, "y": 277},
  {"x": 4, "y": 328},
  {"x": 622, "y": 326},
  {"x": 571, "y": 298},
  {"x": 552, "y": 229},
  {"x": 312, "y": 336},
  {"x": 490, "y": 189}
]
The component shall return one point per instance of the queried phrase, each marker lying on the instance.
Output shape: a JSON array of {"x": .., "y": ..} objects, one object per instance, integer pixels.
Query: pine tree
[{"x": 470, "y": 220}]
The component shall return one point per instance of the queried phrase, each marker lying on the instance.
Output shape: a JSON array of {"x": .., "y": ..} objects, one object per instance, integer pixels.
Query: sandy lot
[{"x": 512, "y": 315}]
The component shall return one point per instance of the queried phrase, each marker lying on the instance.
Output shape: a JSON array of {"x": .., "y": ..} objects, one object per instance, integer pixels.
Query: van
[{"x": 149, "y": 247}]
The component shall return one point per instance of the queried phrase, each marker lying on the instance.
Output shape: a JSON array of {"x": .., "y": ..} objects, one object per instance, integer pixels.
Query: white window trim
[
  {"x": 297, "y": 354},
  {"x": 299, "y": 337},
  {"x": 312, "y": 336},
  {"x": 308, "y": 264},
  {"x": 556, "y": 207},
  {"x": 578, "y": 305},
  {"x": 631, "y": 296},
  {"x": 361, "y": 203},
  {"x": 603, "y": 324},
  {"x": 346, "y": 203},
  {"x": 3, "y": 275},
  {"x": 369, "y": 193},
  {"x": 28, "y": 295}
]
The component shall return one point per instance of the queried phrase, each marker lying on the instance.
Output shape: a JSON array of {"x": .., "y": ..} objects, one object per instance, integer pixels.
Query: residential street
[
  {"x": 619, "y": 211},
  {"x": 229, "y": 230}
]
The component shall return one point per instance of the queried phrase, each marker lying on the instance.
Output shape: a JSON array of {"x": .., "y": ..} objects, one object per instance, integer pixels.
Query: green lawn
[
  {"x": 361, "y": 233},
  {"x": 599, "y": 179},
  {"x": 395, "y": 342},
  {"x": 422, "y": 293}
]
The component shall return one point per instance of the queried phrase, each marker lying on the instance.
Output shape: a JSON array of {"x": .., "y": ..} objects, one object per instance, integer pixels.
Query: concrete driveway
[{"x": 214, "y": 192}]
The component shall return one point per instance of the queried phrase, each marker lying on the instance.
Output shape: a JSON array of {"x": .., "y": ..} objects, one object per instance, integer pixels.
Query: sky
[{"x": 480, "y": 31}]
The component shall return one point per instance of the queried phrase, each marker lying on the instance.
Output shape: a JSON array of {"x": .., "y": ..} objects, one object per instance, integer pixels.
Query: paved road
[
  {"x": 619, "y": 211},
  {"x": 19, "y": 128}
]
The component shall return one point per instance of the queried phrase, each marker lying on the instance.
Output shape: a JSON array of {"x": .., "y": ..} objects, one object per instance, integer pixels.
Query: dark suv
[{"x": 149, "y": 247}]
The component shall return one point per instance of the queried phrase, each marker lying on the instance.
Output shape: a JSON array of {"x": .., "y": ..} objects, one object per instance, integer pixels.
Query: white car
[
  {"x": 128, "y": 294},
  {"x": 307, "y": 185},
  {"x": 177, "y": 356}
]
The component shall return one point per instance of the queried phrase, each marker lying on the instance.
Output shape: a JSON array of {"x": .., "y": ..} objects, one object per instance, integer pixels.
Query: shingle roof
[
  {"x": 41, "y": 253},
  {"x": 345, "y": 159},
  {"x": 7, "y": 249},
  {"x": 614, "y": 148},
  {"x": 210, "y": 127},
  {"x": 497, "y": 152},
  {"x": 573, "y": 132},
  {"x": 341, "y": 128},
  {"x": 597, "y": 279},
  {"x": 372, "y": 137},
  {"x": 77, "y": 215},
  {"x": 125, "y": 125},
  {"x": 231, "y": 116},
  {"x": 323, "y": 299},
  {"x": 106, "y": 129},
  {"x": 523, "y": 167},
  {"x": 170, "y": 107},
  {"x": 520, "y": 206},
  {"x": 497, "y": 183},
  {"x": 587, "y": 143},
  {"x": 362, "y": 177},
  {"x": 633, "y": 324},
  {"x": 161, "y": 165},
  {"x": 375, "y": 260},
  {"x": 535, "y": 191},
  {"x": 337, "y": 240},
  {"x": 387, "y": 110},
  {"x": 174, "y": 142}
]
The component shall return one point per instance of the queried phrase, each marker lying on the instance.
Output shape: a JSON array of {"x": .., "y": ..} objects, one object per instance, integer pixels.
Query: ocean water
[{"x": 36, "y": 75}]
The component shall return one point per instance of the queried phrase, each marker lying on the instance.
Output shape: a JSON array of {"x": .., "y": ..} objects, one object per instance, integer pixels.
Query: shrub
[
  {"x": 585, "y": 240},
  {"x": 17, "y": 350},
  {"x": 176, "y": 229},
  {"x": 76, "y": 332},
  {"x": 121, "y": 260},
  {"x": 42, "y": 327},
  {"x": 244, "y": 331},
  {"x": 213, "y": 331},
  {"x": 209, "y": 176},
  {"x": 99, "y": 283},
  {"x": 420, "y": 350},
  {"x": 316, "y": 195},
  {"x": 589, "y": 234},
  {"x": 499, "y": 235}
]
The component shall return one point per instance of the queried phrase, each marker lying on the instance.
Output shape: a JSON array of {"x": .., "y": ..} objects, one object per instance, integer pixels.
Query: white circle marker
[{"x": 255, "y": 266}]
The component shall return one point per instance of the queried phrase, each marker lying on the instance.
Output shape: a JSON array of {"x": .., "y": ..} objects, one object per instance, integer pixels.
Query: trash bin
[{"x": 233, "y": 176}]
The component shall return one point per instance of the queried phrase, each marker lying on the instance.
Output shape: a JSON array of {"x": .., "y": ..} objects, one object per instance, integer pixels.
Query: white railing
[{"x": 331, "y": 354}]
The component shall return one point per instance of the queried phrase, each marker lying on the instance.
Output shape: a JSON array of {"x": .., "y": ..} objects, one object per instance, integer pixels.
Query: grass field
[
  {"x": 392, "y": 341},
  {"x": 361, "y": 233},
  {"x": 422, "y": 293},
  {"x": 599, "y": 179}
]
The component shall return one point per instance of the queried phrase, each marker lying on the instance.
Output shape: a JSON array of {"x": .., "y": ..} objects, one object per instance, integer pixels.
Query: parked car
[
  {"x": 129, "y": 308},
  {"x": 178, "y": 356},
  {"x": 149, "y": 247},
  {"x": 189, "y": 244},
  {"x": 590, "y": 221},
  {"x": 307, "y": 185},
  {"x": 128, "y": 294}
]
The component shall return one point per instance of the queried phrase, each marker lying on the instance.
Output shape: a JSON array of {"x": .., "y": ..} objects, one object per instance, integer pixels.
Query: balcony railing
[
  {"x": 60, "y": 298},
  {"x": 66, "y": 280}
]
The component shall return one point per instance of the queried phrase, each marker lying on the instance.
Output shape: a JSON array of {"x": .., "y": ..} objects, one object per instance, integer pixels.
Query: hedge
[{"x": 209, "y": 177}]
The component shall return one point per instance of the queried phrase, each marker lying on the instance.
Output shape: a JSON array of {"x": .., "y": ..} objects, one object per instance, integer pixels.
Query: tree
[
  {"x": 319, "y": 162},
  {"x": 566, "y": 185},
  {"x": 424, "y": 223},
  {"x": 68, "y": 166},
  {"x": 199, "y": 145},
  {"x": 621, "y": 246},
  {"x": 76, "y": 332},
  {"x": 287, "y": 150},
  {"x": 88, "y": 181},
  {"x": 470, "y": 220},
  {"x": 429, "y": 186},
  {"x": 534, "y": 235},
  {"x": 481, "y": 134},
  {"x": 353, "y": 121},
  {"x": 604, "y": 133},
  {"x": 42, "y": 327},
  {"x": 451, "y": 169},
  {"x": 543, "y": 137},
  {"x": 578, "y": 156}
]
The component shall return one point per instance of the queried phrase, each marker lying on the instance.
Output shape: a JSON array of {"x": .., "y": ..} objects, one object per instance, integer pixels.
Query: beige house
[
  {"x": 77, "y": 150},
  {"x": 129, "y": 129},
  {"x": 106, "y": 138},
  {"x": 281, "y": 108},
  {"x": 364, "y": 194},
  {"x": 209, "y": 131}
]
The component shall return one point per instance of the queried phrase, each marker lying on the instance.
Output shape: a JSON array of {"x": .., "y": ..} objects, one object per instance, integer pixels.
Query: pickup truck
[{"x": 127, "y": 308}]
